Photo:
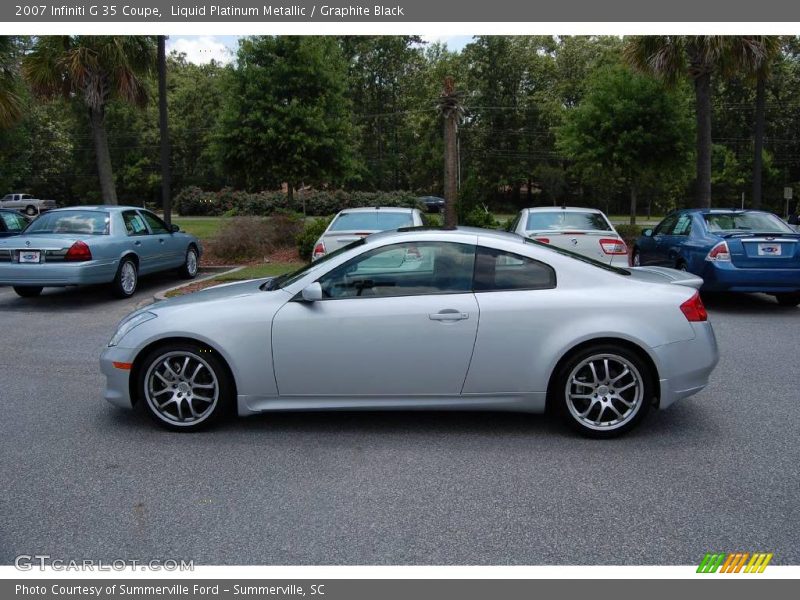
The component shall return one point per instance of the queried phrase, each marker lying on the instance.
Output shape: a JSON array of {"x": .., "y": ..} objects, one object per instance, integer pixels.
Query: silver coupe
[
  {"x": 423, "y": 319},
  {"x": 85, "y": 245}
]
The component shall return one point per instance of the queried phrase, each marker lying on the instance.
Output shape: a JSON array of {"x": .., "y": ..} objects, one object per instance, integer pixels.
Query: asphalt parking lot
[{"x": 82, "y": 479}]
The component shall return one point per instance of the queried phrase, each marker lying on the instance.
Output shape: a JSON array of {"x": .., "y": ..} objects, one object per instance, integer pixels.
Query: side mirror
[
  {"x": 647, "y": 232},
  {"x": 312, "y": 292},
  {"x": 174, "y": 228}
]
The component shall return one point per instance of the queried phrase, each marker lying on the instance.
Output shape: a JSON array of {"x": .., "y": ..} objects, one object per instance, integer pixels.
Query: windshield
[
  {"x": 82, "y": 222},
  {"x": 560, "y": 219},
  {"x": 747, "y": 221},
  {"x": 378, "y": 220},
  {"x": 282, "y": 281},
  {"x": 580, "y": 257}
]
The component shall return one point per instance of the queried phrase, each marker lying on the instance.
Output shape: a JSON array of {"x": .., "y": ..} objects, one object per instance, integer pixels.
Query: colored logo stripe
[{"x": 733, "y": 562}]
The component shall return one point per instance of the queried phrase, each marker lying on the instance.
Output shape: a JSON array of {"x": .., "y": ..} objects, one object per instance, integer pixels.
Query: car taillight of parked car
[
  {"x": 694, "y": 310},
  {"x": 719, "y": 253},
  {"x": 543, "y": 240},
  {"x": 319, "y": 251},
  {"x": 78, "y": 252},
  {"x": 612, "y": 246}
]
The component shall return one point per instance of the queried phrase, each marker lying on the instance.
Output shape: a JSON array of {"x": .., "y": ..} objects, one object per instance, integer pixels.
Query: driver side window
[
  {"x": 407, "y": 269},
  {"x": 666, "y": 226}
]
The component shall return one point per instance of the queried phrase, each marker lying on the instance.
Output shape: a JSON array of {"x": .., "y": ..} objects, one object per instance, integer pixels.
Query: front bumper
[
  {"x": 685, "y": 366},
  {"x": 725, "y": 277},
  {"x": 117, "y": 390},
  {"x": 58, "y": 274}
]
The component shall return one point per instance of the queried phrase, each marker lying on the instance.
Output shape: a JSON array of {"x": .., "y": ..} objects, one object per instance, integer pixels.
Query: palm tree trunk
[
  {"x": 450, "y": 170},
  {"x": 104, "y": 173},
  {"x": 633, "y": 203},
  {"x": 702, "y": 91},
  {"x": 758, "y": 138}
]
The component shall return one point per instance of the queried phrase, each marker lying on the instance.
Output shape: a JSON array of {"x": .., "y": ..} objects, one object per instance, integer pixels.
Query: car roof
[
  {"x": 376, "y": 209},
  {"x": 564, "y": 208},
  {"x": 469, "y": 232},
  {"x": 725, "y": 211},
  {"x": 103, "y": 207}
]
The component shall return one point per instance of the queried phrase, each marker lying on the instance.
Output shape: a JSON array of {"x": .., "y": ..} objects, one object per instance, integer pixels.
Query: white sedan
[{"x": 586, "y": 231}]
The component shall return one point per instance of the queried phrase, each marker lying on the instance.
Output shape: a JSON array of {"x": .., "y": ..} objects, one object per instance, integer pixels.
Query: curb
[{"x": 162, "y": 295}]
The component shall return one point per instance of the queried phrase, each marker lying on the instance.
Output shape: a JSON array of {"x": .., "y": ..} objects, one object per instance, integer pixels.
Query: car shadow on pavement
[{"x": 739, "y": 303}]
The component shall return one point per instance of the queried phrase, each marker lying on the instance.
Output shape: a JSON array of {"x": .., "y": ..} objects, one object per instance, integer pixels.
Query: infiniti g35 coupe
[
  {"x": 85, "y": 245},
  {"x": 423, "y": 319}
]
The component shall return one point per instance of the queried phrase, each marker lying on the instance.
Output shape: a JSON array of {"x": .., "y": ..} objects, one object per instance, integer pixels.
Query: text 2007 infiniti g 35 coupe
[{"x": 423, "y": 319}]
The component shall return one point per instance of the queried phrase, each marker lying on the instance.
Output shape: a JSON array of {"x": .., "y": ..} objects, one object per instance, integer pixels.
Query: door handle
[
  {"x": 137, "y": 243},
  {"x": 448, "y": 315},
  {"x": 160, "y": 241}
]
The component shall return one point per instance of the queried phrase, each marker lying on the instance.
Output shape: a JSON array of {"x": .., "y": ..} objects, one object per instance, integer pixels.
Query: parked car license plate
[{"x": 30, "y": 256}]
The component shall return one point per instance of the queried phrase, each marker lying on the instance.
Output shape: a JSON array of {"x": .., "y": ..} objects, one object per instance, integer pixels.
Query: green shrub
[
  {"x": 311, "y": 232},
  {"x": 479, "y": 216},
  {"x": 432, "y": 220}
]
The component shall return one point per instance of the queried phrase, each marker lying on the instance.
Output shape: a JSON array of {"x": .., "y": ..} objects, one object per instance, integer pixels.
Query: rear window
[
  {"x": 748, "y": 221},
  {"x": 562, "y": 219},
  {"x": 371, "y": 221},
  {"x": 82, "y": 222}
]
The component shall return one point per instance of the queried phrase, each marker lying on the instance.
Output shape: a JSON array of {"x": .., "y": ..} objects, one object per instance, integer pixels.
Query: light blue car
[{"x": 85, "y": 245}]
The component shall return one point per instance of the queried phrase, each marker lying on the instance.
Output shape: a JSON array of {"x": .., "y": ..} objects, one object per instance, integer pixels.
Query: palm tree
[
  {"x": 95, "y": 69},
  {"x": 672, "y": 57},
  {"x": 767, "y": 50},
  {"x": 10, "y": 101}
]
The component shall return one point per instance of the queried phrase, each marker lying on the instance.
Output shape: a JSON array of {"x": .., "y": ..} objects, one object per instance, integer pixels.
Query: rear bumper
[
  {"x": 58, "y": 274},
  {"x": 686, "y": 366},
  {"x": 719, "y": 277},
  {"x": 117, "y": 390}
]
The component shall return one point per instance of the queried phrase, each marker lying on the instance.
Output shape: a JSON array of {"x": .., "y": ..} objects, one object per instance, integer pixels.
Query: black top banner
[{"x": 465, "y": 11}]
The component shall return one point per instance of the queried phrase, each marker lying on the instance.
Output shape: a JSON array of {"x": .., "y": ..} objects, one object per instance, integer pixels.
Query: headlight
[{"x": 128, "y": 324}]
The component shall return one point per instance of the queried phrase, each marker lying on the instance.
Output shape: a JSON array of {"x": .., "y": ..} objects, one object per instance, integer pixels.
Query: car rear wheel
[
  {"x": 30, "y": 211},
  {"x": 190, "y": 264},
  {"x": 28, "y": 291},
  {"x": 788, "y": 299},
  {"x": 636, "y": 260},
  {"x": 185, "y": 386},
  {"x": 604, "y": 391},
  {"x": 126, "y": 280}
]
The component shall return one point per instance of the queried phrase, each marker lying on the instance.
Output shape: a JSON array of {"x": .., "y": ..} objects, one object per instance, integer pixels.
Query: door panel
[{"x": 373, "y": 346}]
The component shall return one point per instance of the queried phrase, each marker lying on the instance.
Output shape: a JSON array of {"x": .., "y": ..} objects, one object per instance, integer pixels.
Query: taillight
[
  {"x": 719, "y": 253},
  {"x": 319, "y": 251},
  {"x": 78, "y": 252},
  {"x": 543, "y": 240},
  {"x": 694, "y": 310},
  {"x": 612, "y": 246}
]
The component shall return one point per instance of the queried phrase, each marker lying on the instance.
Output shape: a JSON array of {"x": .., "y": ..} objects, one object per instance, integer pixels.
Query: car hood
[
  {"x": 225, "y": 291},
  {"x": 665, "y": 275}
]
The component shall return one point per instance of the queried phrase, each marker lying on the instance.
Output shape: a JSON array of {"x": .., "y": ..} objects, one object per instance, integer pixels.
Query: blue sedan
[
  {"x": 85, "y": 245},
  {"x": 732, "y": 250}
]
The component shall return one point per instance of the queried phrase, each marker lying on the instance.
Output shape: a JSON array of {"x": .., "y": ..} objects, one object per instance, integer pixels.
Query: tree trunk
[
  {"x": 106, "y": 176},
  {"x": 758, "y": 138},
  {"x": 633, "y": 203},
  {"x": 702, "y": 91},
  {"x": 163, "y": 124},
  {"x": 290, "y": 195},
  {"x": 450, "y": 171}
]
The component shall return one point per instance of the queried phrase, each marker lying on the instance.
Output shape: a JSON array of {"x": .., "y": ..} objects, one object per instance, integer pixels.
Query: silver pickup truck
[{"x": 26, "y": 203}]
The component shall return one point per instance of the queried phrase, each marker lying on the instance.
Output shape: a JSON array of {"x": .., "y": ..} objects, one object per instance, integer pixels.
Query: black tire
[
  {"x": 597, "y": 404},
  {"x": 635, "y": 256},
  {"x": 120, "y": 287},
  {"x": 681, "y": 266},
  {"x": 28, "y": 291},
  {"x": 168, "y": 417},
  {"x": 185, "y": 270},
  {"x": 31, "y": 211},
  {"x": 788, "y": 299}
]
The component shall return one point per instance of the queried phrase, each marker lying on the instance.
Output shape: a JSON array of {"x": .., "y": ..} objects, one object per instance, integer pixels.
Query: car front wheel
[
  {"x": 604, "y": 391},
  {"x": 185, "y": 386}
]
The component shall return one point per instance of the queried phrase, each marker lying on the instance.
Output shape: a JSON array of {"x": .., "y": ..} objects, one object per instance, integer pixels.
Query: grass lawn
[
  {"x": 258, "y": 271},
  {"x": 203, "y": 227}
]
